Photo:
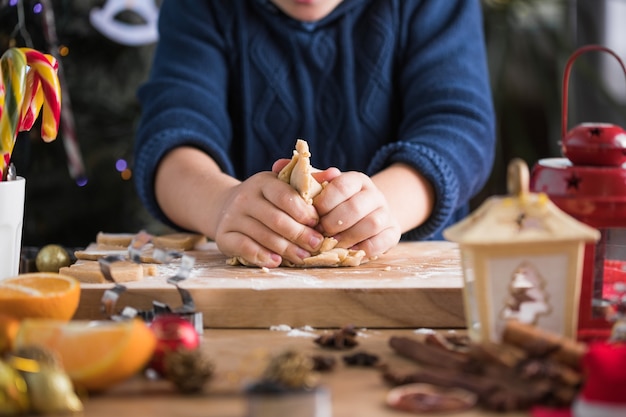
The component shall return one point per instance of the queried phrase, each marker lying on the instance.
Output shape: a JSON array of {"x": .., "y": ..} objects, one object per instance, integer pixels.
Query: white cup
[{"x": 11, "y": 220}]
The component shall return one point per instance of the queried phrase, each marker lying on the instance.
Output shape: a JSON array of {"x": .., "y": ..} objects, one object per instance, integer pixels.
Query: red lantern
[{"x": 590, "y": 185}]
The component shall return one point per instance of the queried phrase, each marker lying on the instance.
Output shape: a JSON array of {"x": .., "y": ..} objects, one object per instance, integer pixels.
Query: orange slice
[
  {"x": 40, "y": 295},
  {"x": 94, "y": 354},
  {"x": 8, "y": 330}
]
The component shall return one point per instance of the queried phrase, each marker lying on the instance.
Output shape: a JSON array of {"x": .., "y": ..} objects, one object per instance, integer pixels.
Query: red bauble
[{"x": 172, "y": 333}]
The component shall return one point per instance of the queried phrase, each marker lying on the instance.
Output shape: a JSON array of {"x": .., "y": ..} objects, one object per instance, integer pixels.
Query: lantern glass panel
[
  {"x": 471, "y": 300},
  {"x": 529, "y": 289},
  {"x": 610, "y": 273}
]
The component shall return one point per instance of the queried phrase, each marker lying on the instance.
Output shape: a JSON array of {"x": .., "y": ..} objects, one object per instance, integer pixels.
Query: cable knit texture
[{"x": 373, "y": 83}]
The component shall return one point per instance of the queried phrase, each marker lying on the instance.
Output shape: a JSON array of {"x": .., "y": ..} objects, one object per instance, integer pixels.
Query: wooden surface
[
  {"x": 239, "y": 357},
  {"x": 417, "y": 284}
]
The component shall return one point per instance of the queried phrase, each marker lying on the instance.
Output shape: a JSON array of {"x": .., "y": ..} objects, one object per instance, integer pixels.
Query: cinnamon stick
[
  {"x": 427, "y": 354},
  {"x": 494, "y": 393},
  {"x": 529, "y": 338}
]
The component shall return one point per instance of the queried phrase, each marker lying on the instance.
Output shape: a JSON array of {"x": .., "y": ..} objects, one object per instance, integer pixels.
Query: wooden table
[
  {"x": 417, "y": 285},
  {"x": 239, "y": 356}
]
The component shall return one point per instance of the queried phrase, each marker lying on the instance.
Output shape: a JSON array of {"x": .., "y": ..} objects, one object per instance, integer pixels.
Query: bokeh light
[
  {"x": 81, "y": 181},
  {"x": 121, "y": 165}
]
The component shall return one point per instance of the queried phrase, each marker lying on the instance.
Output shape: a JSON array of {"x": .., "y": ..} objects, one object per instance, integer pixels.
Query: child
[{"x": 392, "y": 96}]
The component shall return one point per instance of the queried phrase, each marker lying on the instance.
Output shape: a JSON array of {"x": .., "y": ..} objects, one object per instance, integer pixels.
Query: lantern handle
[
  {"x": 517, "y": 178},
  {"x": 568, "y": 69}
]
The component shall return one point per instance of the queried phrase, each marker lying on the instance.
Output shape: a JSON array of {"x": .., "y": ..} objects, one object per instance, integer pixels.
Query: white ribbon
[{"x": 127, "y": 34}]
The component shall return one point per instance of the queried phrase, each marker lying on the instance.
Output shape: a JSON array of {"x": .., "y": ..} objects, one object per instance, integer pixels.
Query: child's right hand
[{"x": 264, "y": 220}]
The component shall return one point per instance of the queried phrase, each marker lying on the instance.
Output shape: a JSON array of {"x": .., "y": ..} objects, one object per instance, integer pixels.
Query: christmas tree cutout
[{"x": 527, "y": 298}]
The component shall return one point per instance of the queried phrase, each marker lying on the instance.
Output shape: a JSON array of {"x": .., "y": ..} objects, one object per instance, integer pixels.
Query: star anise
[
  {"x": 344, "y": 338},
  {"x": 323, "y": 363},
  {"x": 361, "y": 359}
]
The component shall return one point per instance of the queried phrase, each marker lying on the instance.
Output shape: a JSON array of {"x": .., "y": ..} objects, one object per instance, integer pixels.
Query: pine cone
[
  {"x": 323, "y": 363},
  {"x": 291, "y": 370},
  {"x": 188, "y": 369}
]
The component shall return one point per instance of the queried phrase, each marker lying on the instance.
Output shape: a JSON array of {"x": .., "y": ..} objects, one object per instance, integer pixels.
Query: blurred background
[{"x": 81, "y": 183}]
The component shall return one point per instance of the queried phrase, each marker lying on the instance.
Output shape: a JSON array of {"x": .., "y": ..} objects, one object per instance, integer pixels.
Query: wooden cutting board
[{"x": 417, "y": 284}]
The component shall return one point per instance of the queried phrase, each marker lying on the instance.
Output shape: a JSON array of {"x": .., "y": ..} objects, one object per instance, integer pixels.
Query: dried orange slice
[
  {"x": 41, "y": 294},
  {"x": 94, "y": 354}
]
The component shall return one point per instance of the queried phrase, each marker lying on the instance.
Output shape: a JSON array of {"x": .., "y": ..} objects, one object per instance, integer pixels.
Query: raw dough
[
  {"x": 178, "y": 241},
  {"x": 298, "y": 174},
  {"x": 108, "y": 244},
  {"x": 96, "y": 251},
  {"x": 173, "y": 241},
  {"x": 115, "y": 239},
  {"x": 123, "y": 271},
  {"x": 87, "y": 268}
]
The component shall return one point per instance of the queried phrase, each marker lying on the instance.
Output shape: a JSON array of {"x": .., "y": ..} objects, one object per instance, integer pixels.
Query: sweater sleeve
[
  {"x": 184, "y": 102},
  {"x": 447, "y": 129}
]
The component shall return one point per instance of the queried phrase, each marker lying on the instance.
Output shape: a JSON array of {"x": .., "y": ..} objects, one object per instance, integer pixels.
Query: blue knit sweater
[{"x": 373, "y": 83}]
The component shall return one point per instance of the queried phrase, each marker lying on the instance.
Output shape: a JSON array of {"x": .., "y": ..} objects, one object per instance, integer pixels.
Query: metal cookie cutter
[
  {"x": 111, "y": 296},
  {"x": 137, "y": 245}
]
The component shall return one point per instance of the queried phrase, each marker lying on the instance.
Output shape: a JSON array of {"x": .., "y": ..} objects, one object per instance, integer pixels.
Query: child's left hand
[{"x": 355, "y": 212}]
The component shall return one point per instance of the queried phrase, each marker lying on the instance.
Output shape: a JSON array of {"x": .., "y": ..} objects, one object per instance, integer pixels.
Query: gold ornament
[
  {"x": 51, "y": 258},
  {"x": 50, "y": 389},
  {"x": 13, "y": 391}
]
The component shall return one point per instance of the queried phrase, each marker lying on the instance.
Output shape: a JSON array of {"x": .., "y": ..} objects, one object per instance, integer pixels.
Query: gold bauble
[
  {"x": 51, "y": 258},
  {"x": 50, "y": 389},
  {"x": 13, "y": 391}
]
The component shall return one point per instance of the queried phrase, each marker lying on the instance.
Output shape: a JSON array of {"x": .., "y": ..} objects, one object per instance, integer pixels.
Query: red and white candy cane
[
  {"x": 13, "y": 70},
  {"x": 29, "y": 84},
  {"x": 44, "y": 80}
]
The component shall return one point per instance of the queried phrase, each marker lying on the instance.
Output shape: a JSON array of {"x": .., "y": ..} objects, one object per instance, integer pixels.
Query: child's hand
[
  {"x": 264, "y": 220},
  {"x": 354, "y": 211}
]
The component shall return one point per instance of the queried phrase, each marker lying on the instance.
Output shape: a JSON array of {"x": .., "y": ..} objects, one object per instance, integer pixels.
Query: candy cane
[
  {"x": 45, "y": 67},
  {"x": 13, "y": 68},
  {"x": 32, "y": 102},
  {"x": 29, "y": 84}
]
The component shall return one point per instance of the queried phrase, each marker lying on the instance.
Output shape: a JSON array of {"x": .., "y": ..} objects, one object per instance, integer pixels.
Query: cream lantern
[{"x": 521, "y": 257}]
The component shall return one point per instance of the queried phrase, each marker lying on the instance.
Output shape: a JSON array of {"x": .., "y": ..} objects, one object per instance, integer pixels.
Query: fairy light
[
  {"x": 121, "y": 165},
  {"x": 37, "y": 8},
  {"x": 64, "y": 50}
]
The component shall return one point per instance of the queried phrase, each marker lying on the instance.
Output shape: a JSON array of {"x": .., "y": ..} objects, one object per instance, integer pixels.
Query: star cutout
[
  {"x": 573, "y": 181},
  {"x": 595, "y": 131}
]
